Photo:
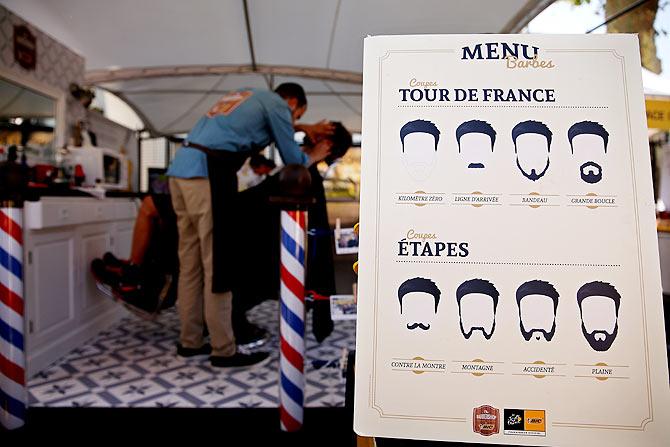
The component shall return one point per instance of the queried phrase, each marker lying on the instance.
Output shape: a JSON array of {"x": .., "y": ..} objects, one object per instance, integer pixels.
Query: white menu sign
[{"x": 509, "y": 281}]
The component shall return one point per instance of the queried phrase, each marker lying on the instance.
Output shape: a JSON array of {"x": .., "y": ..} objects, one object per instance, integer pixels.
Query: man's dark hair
[
  {"x": 419, "y": 126},
  {"x": 478, "y": 286},
  {"x": 531, "y": 127},
  {"x": 419, "y": 285},
  {"x": 475, "y": 126},
  {"x": 588, "y": 127},
  {"x": 537, "y": 287},
  {"x": 598, "y": 288},
  {"x": 292, "y": 90},
  {"x": 342, "y": 141}
]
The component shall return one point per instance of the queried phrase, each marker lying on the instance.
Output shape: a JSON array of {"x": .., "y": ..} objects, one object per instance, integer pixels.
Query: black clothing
[{"x": 257, "y": 251}]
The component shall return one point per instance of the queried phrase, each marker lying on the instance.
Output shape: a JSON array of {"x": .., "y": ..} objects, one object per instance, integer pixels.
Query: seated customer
[
  {"x": 147, "y": 280},
  {"x": 258, "y": 254}
]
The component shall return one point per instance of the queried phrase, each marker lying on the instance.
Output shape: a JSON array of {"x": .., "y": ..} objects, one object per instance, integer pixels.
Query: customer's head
[
  {"x": 341, "y": 139},
  {"x": 294, "y": 95}
]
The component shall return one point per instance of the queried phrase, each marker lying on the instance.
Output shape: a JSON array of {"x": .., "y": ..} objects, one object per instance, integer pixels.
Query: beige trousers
[{"x": 196, "y": 303}]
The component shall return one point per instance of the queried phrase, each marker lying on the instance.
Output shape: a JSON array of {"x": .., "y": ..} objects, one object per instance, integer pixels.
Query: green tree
[{"x": 640, "y": 20}]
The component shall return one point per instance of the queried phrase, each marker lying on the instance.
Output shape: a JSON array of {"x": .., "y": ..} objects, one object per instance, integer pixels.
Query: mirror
[{"x": 28, "y": 121}]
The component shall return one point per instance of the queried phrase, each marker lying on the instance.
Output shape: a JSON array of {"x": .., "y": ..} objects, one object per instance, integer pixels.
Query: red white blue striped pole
[
  {"x": 292, "y": 320},
  {"x": 13, "y": 394}
]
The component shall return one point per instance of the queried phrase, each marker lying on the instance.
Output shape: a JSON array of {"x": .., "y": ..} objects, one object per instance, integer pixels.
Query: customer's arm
[{"x": 283, "y": 132}]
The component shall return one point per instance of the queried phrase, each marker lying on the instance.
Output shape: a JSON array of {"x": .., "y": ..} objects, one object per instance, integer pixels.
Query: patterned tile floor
[{"x": 134, "y": 365}]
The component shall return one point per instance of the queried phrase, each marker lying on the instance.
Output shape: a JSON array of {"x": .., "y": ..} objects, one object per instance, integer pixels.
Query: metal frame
[
  {"x": 250, "y": 40},
  {"x": 148, "y": 125},
  {"x": 527, "y": 13},
  {"x": 100, "y": 77},
  {"x": 95, "y": 77},
  {"x": 177, "y": 91},
  {"x": 615, "y": 16}
]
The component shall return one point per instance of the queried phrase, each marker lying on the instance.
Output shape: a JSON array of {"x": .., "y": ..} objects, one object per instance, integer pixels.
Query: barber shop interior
[{"x": 180, "y": 187}]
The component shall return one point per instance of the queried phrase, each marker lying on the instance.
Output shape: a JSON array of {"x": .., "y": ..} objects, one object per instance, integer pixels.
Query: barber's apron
[{"x": 222, "y": 166}]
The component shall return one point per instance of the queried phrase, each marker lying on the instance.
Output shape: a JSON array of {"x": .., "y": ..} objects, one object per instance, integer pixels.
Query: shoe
[
  {"x": 251, "y": 337},
  {"x": 131, "y": 273},
  {"x": 125, "y": 272},
  {"x": 111, "y": 260},
  {"x": 102, "y": 275},
  {"x": 205, "y": 349},
  {"x": 238, "y": 359}
]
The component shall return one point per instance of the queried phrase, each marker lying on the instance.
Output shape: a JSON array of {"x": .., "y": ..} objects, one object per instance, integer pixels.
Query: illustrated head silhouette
[
  {"x": 599, "y": 310},
  {"x": 475, "y": 140},
  {"x": 419, "y": 299},
  {"x": 537, "y": 301},
  {"x": 419, "y": 139},
  {"x": 532, "y": 144},
  {"x": 477, "y": 303},
  {"x": 588, "y": 143}
]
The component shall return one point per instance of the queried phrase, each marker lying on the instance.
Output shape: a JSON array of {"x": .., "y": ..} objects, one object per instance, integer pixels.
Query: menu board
[{"x": 509, "y": 280}]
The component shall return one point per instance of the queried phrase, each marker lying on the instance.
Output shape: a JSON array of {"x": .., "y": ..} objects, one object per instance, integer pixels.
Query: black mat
[{"x": 225, "y": 427}]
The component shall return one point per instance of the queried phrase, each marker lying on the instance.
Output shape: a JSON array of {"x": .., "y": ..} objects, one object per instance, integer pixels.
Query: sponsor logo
[
  {"x": 524, "y": 422},
  {"x": 25, "y": 47},
  {"x": 229, "y": 102},
  {"x": 486, "y": 420}
]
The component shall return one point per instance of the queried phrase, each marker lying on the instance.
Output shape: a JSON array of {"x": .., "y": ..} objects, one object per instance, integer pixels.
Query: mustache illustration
[
  {"x": 411, "y": 327},
  {"x": 476, "y": 165}
]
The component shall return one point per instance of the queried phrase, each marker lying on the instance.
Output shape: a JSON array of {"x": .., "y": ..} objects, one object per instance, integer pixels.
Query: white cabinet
[
  {"x": 123, "y": 239},
  {"x": 94, "y": 241},
  {"x": 51, "y": 277},
  {"x": 62, "y": 236}
]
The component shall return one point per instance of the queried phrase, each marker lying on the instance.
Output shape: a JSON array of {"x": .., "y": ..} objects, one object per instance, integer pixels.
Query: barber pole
[
  {"x": 292, "y": 320},
  {"x": 13, "y": 395}
]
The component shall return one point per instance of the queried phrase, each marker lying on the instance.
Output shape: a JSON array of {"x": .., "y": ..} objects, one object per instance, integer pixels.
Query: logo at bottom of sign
[
  {"x": 486, "y": 420},
  {"x": 525, "y": 422}
]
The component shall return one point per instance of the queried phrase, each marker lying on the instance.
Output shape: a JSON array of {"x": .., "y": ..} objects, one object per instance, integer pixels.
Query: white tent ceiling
[{"x": 171, "y": 59}]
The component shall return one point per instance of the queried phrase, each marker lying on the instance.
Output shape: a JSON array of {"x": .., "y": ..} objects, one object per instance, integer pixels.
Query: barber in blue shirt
[{"x": 203, "y": 184}]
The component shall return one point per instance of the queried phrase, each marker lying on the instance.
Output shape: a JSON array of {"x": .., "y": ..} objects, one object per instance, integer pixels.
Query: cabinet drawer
[{"x": 54, "y": 212}]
